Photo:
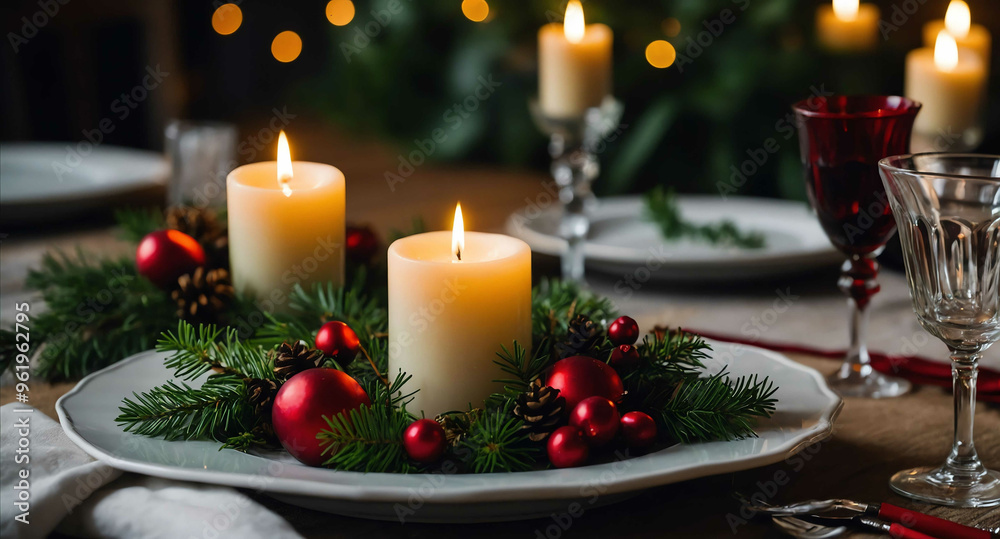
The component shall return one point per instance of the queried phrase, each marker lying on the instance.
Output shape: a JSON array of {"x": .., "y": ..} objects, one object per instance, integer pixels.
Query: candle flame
[
  {"x": 945, "y": 52},
  {"x": 957, "y": 19},
  {"x": 458, "y": 234},
  {"x": 284, "y": 165},
  {"x": 846, "y": 10},
  {"x": 573, "y": 24}
]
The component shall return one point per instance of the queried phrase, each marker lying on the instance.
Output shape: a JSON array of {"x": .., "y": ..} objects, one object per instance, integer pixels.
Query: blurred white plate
[
  {"x": 622, "y": 240},
  {"x": 805, "y": 413},
  {"x": 52, "y": 180}
]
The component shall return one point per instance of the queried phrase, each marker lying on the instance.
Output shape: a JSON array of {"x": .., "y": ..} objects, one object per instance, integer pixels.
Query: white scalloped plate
[{"x": 805, "y": 414}]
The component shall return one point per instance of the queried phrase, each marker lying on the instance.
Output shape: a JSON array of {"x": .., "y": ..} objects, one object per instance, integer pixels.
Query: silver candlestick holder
[{"x": 574, "y": 144}]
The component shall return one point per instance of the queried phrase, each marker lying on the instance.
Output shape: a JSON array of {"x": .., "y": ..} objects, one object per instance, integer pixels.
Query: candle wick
[{"x": 458, "y": 253}]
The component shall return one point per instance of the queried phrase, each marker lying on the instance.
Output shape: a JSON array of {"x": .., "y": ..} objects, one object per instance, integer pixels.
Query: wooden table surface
[{"x": 872, "y": 438}]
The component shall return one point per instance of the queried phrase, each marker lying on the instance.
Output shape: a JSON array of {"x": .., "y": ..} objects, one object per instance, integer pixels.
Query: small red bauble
[
  {"x": 424, "y": 440},
  {"x": 638, "y": 429},
  {"x": 597, "y": 418},
  {"x": 338, "y": 341},
  {"x": 624, "y": 358},
  {"x": 165, "y": 255},
  {"x": 301, "y": 403},
  {"x": 579, "y": 377},
  {"x": 624, "y": 330},
  {"x": 362, "y": 243},
  {"x": 567, "y": 448}
]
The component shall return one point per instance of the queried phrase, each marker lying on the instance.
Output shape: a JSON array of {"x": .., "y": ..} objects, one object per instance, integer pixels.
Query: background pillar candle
[
  {"x": 574, "y": 65},
  {"x": 846, "y": 26}
]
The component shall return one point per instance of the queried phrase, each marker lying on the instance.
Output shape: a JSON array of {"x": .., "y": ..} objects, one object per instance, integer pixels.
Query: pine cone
[
  {"x": 203, "y": 225},
  {"x": 291, "y": 359},
  {"x": 260, "y": 395},
  {"x": 583, "y": 336},
  {"x": 456, "y": 424},
  {"x": 203, "y": 294},
  {"x": 541, "y": 409}
]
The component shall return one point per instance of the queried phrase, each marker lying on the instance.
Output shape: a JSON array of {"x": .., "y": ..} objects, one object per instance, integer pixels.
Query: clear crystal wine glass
[
  {"x": 947, "y": 209},
  {"x": 841, "y": 139}
]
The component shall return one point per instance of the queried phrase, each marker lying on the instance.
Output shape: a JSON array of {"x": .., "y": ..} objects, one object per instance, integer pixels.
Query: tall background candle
[
  {"x": 847, "y": 26},
  {"x": 958, "y": 22},
  {"x": 574, "y": 65},
  {"x": 452, "y": 304},
  {"x": 950, "y": 83},
  {"x": 286, "y": 225}
]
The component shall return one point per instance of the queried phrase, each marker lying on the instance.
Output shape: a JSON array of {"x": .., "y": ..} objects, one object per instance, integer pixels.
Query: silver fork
[{"x": 806, "y": 530}]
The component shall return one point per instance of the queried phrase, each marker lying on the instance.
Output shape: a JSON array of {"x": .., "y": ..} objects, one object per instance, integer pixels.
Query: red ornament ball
[
  {"x": 624, "y": 358},
  {"x": 362, "y": 243},
  {"x": 165, "y": 255},
  {"x": 567, "y": 447},
  {"x": 424, "y": 440},
  {"x": 597, "y": 418},
  {"x": 301, "y": 403},
  {"x": 338, "y": 341},
  {"x": 579, "y": 377},
  {"x": 624, "y": 330},
  {"x": 638, "y": 429}
]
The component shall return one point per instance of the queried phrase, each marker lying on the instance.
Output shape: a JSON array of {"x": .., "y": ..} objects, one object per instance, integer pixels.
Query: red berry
[
  {"x": 165, "y": 255},
  {"x": 338, "y": 341},
  {"x": 624, "y": 358},
  {"x": 301, "y": 403},
  {"x": 638, "y": 429},
  {"x": 362, "y": 243},
  {"x": 579, "y": 377},
  {"x": 624, "y": 330},
  {"x": 567, "y": 447},
  {"x": 597, "y": 418},
  {"x": 424, "y": 440}
]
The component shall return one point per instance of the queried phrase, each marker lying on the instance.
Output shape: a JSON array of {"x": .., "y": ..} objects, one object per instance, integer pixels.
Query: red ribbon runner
[{"x": 918, "y": 370}]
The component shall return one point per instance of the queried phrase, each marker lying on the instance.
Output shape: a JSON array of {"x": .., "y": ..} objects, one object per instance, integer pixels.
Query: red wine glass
[{"x": 842, "y": 139}]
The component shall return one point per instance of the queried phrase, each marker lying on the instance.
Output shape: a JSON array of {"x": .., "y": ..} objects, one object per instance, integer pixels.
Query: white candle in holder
[
  {"x": 574, "y": 65},
  {"x": 454, "y": 299},
  {"x": 286, "y": 226}
]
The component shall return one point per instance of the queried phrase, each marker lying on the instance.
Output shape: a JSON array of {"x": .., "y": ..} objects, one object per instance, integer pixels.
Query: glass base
[
  {"x": 938, "y": 486},
  {"x": 848, "y": 382}
]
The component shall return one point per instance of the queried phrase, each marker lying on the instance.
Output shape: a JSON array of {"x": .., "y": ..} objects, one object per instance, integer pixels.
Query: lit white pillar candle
[
  {"x": 950, "y": 83},
  {"x": 453, "y": 303},
  {"x": 574, "y": 65},
  {"x": 286, "y": 225},
  {"x": 958, "y": 21},
  {"x": 847, "y": 26}
]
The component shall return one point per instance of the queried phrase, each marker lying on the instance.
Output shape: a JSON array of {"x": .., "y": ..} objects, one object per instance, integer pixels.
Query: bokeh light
[
  {"x": 671, "y": 27},
  {"x": 286, "y": 46},
  {"x": 227, "y": 19},
  {"x": 340, "y": 12},
  {"x": 475, "y": 10},
  {"x": 660, "y": 54}
]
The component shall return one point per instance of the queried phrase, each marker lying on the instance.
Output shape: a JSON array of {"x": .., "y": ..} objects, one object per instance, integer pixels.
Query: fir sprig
[
  {"x": 135, "y": 223},
  {"x": 522, "y": 365},
  {"x": 367, "y": 439},
  {"x": 662, "y": 208},
  {"x": 217, "y": 410},
  {"x": 497, "y": 443},
  {"x": 196, "y": 350},
  {"x": 715, "y": 407},
  {"x": 554, "y": 303}
]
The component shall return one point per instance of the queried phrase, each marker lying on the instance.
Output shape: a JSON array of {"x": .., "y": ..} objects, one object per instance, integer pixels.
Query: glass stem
[
  {"x": 963, "y": 462},
  {"x": 858, "y": 279},
  {"x": 574, "y": 171}
]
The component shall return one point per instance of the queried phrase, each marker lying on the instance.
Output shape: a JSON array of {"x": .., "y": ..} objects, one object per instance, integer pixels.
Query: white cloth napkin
[{"x": 71, "y": 492}]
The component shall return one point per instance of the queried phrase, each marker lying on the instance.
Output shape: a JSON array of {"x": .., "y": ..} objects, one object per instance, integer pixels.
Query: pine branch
[
  {"x": 554, "y": 303},
  {"x": 497, "y": 443},
  {"x": 367, "y": 439},
  {"x": 98, "y": 312},
  {"x": 218, "y": 410},
  {"x": 714, "y": 407},
  {"x": 662, "y": 209},
  {"x": 198, "y": 350},
  {"x": 521, "y": 366},
  {"x": 136, "y": 223}
]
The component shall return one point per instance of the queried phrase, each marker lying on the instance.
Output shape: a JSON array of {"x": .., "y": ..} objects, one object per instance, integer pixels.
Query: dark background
[{"x": 683, "y": 129}]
